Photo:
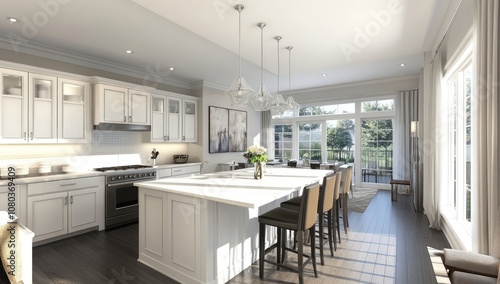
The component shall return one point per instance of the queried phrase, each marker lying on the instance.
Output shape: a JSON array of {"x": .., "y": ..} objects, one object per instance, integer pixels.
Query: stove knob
[
  {"x": 112, "y": 178},
  {"x": 119, "y": 177}
]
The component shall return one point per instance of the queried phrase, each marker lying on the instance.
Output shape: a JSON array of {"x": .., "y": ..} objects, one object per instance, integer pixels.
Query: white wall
[{"x": 214, "y": 97}]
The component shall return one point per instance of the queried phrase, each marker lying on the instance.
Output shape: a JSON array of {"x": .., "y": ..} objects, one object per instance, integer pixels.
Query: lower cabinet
[{"x": 62, "y": 207}]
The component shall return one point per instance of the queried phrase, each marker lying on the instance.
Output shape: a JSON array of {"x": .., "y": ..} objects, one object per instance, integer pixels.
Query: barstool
[
  {"x": 345, "y": 186},
  {"x": 335, "y": 210},
  {"x": 285, "y": 219},
  {"x": 325, "y": 206}
]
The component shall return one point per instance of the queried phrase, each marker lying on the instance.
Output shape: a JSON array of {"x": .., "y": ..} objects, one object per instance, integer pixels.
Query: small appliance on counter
[{"x": 180, "y": 159}]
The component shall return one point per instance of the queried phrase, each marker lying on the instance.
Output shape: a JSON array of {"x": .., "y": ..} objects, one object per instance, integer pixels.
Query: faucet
[{"x": 203, "y": 166}]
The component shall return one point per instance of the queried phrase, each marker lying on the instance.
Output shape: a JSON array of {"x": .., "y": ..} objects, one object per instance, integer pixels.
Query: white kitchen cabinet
[
  {"x": 73, "y": 111},
  {"x": 57, "y": 208},
  {"x": 190, "y": 121},
  {"x": 121, "y": 105},
  {"x": 14, "y": 106},
  {"x": 186, "y": 171},
  {"x": 174, "y": 119},
  {"x": 4, "y": 199},
  {"x": 29, "y": 107},
  {"x": 48, "y": 215}
]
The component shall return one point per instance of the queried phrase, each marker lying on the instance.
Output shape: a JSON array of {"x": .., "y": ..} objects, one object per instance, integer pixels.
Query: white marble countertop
[
  {"x": 53, "y": 176},
  {"x": 239, "y": 187}
]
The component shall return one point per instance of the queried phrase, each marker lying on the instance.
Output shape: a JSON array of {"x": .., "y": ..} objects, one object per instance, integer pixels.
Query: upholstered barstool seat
[
  {"x": 325, "y": 206},
  {"x": 301, "y": 220}
]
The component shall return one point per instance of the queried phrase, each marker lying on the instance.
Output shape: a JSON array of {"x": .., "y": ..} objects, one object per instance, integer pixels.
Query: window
[
  {"x": 458, "y": 98},
  {"x": 283, "y": 142},
  {"x": 340, "y": 140},
  {"x": 376, "y": 153},
  {"x": 381, "y": 105},
  {"x": 327, "y": 109},
  {"x": 310, "y": 136}
]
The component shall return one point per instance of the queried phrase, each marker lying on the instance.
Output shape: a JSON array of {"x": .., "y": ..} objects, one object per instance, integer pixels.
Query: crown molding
[{"x": 83, "y": 60}]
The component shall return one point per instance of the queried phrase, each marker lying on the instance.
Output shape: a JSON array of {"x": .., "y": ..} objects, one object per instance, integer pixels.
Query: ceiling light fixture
[
  {"x": 324, "y": 74},
  {"x": 402, "y": 65},
  {"x": 13, "y": 20},
  {"x": 129, "y": 51},
  {"x": 278, "y": 104},
  {"x": 261, "y": 98},
  {"x": 172, "y": 68},
  {"x": 240, "y": 92},
  {"x": 293, "y": 107}
]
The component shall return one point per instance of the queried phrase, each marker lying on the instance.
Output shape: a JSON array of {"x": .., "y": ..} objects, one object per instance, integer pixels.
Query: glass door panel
[
  {"x": 43, "y": 89},
  {"x": 73, "y": 93},
  {"x": 377, "y": 148},
  {"x": 12, "y": 85}
]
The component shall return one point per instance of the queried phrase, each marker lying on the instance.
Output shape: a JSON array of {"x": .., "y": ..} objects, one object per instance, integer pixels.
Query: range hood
[{"x": 122, "y": 127}]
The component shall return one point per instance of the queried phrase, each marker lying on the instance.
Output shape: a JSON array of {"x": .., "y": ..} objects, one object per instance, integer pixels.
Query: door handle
[
  {"x": 66, "y": 200},
  {"x": 71, "y": 200}
]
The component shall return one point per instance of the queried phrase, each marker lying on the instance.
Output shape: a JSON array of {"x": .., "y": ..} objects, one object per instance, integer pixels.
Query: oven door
[{"x": 121, "y": 199}]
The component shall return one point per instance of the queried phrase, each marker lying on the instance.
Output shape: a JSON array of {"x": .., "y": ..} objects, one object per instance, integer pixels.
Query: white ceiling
[{"x": 200, "y": 38}]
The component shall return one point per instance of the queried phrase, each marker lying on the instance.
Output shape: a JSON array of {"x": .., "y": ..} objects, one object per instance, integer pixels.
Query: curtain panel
[
  {"x": 486, "y": 153},
  {"x": 406, "y": 112}
]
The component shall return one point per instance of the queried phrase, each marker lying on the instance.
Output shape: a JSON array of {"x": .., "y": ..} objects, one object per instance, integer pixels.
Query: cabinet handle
[
  {"x": 176, "y": 171},
  {"x": 125, "y": 118},
  {"x": 71, "y": 200},
  {"x": 68, "y": 184},
  {"x": 164, "y": 138},
  {"x": 168, "y": 138},
  {"x": 183, "y": 138},
  {"x": 31, "y": 135},
  {"x": 129, "y": 118},
  {"x": 25, "y": 137},
  {"x": 66, "y": 200}
]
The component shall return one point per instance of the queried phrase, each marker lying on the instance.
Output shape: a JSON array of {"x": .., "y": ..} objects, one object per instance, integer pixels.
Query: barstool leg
[
  {"x": 330, "y": 238},
  {"x": 300, "y": 256},
  {"x": 278, "y": 248},
  {"x": 262, "y": 236},
  {"x": 320, "y": 237},
  {"x": 337, "y": 216},
  {"x": 313, "y": 251}
]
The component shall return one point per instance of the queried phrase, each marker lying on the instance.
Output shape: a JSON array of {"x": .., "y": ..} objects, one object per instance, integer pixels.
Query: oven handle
[{"x": 128, "y": 182}]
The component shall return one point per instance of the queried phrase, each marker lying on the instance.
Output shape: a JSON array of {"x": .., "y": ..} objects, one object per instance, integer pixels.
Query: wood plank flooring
[{"x": 385, "y": 244}]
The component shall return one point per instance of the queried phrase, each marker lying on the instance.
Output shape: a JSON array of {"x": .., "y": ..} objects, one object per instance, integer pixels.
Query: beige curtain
[
  {"x": 266, "y": 134},
  {"x": 431, "y": 146},
  {"x": 406, "y": 112},
  {"x": 486, "y": 173}
]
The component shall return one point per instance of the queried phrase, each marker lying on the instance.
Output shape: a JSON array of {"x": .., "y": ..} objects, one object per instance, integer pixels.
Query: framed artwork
[
  {"x": 237, "y": 131},
  {"x": 227, "y": 130},
  {"x": 218, "y": 129}
]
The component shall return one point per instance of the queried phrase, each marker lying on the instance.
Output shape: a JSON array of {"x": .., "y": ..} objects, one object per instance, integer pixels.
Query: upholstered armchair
[{"x": 469, "y": 267}]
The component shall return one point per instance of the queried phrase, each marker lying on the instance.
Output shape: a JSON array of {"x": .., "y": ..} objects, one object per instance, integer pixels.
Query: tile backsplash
[{"x": 106, "y": 146}]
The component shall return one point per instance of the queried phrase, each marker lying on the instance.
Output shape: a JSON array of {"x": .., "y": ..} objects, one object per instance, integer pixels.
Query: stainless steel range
[{"x": 122, "y": 198}]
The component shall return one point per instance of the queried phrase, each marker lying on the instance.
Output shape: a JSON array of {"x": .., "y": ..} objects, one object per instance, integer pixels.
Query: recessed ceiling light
[
  {"x": 12, "y": 20},
  {"x": 172, "y": 68},
  {"x": 402, "y": 65},
  {"x": 129, "y": 51},
  {"x": 324, "y": 75}
]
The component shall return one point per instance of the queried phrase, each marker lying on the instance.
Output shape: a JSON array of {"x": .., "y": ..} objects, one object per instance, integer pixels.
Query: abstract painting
[
  {"x": 218, "y": 130},
  {"x": 237, "y": 131}
]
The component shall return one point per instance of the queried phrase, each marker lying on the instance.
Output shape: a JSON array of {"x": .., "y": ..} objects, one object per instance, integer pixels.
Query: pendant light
[
  {"x": 240, "y": 92},
  {"x": 293, "y": 107},
  {"x": 278, "y": 105},
  {"x": 262, "y": 98}
]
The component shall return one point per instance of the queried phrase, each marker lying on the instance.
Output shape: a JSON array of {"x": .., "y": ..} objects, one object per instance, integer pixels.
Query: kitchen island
[{"x": 204, "y": 229}]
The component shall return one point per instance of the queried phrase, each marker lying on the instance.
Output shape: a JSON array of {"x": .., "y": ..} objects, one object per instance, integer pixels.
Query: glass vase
[{"x": 259, "y": 170}]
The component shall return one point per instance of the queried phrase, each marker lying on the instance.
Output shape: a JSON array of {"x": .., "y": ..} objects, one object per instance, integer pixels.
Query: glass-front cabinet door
[
  {"x": 158, "y": 116},
  {"x": 13, "y": 106},
  {"x": 190, "y": 128},
  {"x": 42, "y": 109},
  {"x": 74, "y": 122},
  {"x": 174, "y": 120}
]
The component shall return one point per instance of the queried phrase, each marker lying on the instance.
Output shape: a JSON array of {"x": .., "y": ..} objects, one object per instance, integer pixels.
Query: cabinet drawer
[
  {"x": 64, "y": 185},
  {"x": 177, "y": 171},
  {"x": 163, "y": 173}
]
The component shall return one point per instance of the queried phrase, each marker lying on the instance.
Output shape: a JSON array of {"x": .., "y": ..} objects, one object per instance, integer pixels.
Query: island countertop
[{"x": 239, "y": 187}]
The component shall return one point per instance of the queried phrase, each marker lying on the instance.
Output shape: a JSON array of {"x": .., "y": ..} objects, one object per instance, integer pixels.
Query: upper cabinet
[
  {"x": 74, "y": 105},
  {"x": 117, "y": 107},
  {"x": 35, "y": 110},
  {"x": 174, "y": 118}
]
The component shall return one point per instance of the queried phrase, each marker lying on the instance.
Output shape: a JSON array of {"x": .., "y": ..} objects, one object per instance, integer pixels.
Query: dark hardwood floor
[{"x": 385, "y": 244}]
